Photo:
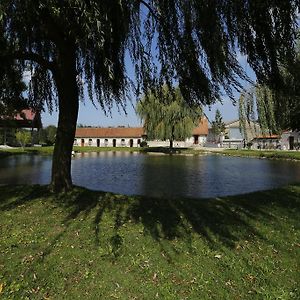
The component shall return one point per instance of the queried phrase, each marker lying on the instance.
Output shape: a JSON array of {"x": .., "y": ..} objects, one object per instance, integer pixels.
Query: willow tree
[
  {"x": 276, "y": 108},
  {"x": 167, "y": 116},
  {"x": 71, "y": 44}
]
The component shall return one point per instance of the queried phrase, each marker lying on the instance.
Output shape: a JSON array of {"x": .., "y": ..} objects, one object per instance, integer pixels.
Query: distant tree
[
  {"x": 47, "y": 135},
  {"x": 11, "y": 91},
  {"x": 23, "y": 137},
  {"x": 51, "y": 134},
  {"x": 68, "y": 43},
  {"x": 276, "y": 107},
  {"x": 167, "y": 116},
  {"x": 218, "y": 126}
]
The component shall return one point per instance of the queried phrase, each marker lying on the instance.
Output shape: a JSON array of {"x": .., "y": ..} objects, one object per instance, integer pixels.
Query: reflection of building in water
[
  {"x": 94, "y": 154},
  {"x": 133, "y": 136}
]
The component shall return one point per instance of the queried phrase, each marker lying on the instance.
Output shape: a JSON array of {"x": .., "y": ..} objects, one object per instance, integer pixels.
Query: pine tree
[{"x": 218, "y": 126}]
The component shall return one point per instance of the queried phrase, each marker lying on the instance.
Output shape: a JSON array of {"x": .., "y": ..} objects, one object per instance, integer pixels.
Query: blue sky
[{"x": 91, "y": 116}]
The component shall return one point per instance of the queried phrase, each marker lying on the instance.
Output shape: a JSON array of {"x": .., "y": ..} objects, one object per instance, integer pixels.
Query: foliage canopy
[
  {"x": 218, "y": 126},
  {"x": 72, "y": 44},
  {"x": 167, "y": 116}
]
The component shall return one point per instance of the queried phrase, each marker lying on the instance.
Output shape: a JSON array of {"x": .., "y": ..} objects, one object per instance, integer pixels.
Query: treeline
[{"x": 25, "y": 137}]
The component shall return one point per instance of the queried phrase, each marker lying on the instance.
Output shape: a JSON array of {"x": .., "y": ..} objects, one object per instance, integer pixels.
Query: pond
[{"x": 158, "y": 175}]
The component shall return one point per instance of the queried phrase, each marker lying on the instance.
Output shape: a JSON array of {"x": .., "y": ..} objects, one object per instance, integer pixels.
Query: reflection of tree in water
[
  {"x": 164, "y": 175},
  {"x": 22, "y": 169}
]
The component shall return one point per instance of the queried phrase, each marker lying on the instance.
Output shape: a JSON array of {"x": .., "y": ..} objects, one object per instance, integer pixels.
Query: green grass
[
  {"x": 94, "y": 245},
  {"x": 26, "y": 150},
  {"x": 295, "y": 155},
  {"x": 49, "y": 150}
]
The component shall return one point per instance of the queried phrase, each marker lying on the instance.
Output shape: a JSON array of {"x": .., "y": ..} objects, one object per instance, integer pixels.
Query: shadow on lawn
[
  {"x": 219, "y": 221},
  {"x": 224, "y": 221}
]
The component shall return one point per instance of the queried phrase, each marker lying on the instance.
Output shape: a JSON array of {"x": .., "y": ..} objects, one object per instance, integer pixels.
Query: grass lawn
[
  {"x": 295, "y": 155},
  {"x": 94, "y": 245},
  {"x": 49, "y": 150},
  {"x": 264, "y": 153}
]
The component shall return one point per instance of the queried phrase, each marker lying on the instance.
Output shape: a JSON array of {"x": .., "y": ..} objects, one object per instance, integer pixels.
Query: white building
[
  {"x": 133, "y": 136},
  {"x": 109, "y": 137}
]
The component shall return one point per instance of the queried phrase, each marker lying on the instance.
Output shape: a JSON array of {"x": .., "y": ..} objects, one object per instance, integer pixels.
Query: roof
[
  {"x": 202, "y": 128},
  {"x": 25, "y": 114},
  {"x": 27, "y": 118},
  {"x": 133, "y": 132},
  {"x": 271, "y": 136},
  {"x": 120, "y": 132},
  {"x": 236, "y": 123}
]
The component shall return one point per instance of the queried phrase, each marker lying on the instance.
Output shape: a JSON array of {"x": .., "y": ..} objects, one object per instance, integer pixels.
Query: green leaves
[{"x": 167, "y": 116}]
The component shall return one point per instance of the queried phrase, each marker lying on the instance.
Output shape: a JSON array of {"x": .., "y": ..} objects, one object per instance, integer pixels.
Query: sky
[{"x": 90, "y": 115}]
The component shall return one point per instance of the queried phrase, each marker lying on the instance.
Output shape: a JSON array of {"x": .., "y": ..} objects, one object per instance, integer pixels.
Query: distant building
[
  {"x": 290, "y": 140},
  {"x": 133, "y": 136},
  {"x": 109, "y": 137},
  {"x": 271, "y": 141},
  {"x": 26, "y": 118},
  {"x": 234, "y": 137}
]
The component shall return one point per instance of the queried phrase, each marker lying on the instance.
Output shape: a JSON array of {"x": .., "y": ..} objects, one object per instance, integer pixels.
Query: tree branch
[
  {"x": 31, "y": 56},
  {"x": 153, "y": 13}
]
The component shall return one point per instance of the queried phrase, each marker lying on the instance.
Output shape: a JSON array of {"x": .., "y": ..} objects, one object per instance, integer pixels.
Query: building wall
[
  {"x": 285, "y": 139},
  {"x": 189, "y": 142},
  {"x": 125, "y": 142},
  {"x": 108, "y": 142}
]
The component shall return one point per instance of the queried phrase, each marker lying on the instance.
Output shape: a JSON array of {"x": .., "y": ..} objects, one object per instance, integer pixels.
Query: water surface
[{"x": 158, "y": 175}]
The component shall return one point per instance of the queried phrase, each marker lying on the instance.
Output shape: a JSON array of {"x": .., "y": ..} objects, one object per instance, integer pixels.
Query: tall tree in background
[
  {"x": 218, "y": 126},
  {"x": 68, "y": 43},
  {"x": 276, "y": 107},
  {"x": 167, "y": 116}
]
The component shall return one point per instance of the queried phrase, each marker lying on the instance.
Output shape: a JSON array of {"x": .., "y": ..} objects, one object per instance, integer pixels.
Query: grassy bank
[
  {"x": 295, "y": 155},
  {"x": 93, "y": 245},
  {"x": 49, "y": 150}
]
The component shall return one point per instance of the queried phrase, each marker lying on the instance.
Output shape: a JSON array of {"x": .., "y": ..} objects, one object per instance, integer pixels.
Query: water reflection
[
  {"x": 21, "y": 169},
  {"x": 165, "y": 176},
  {"x": 157, "y": 175}
]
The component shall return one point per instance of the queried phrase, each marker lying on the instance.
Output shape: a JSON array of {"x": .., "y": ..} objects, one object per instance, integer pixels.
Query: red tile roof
[
  {"x": 135, "y": 132},
  {"x": 25, "y": 114},
  {"x": 202, "y": 128},
  {"x": 271, "y": 136}
]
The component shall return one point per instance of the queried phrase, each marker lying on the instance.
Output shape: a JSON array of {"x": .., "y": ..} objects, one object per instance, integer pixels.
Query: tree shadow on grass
[
  {"x": 219, "y": 221},
  {"x": 223, "y": 221}
]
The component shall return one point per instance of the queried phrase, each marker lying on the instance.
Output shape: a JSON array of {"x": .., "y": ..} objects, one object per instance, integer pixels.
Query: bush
[{"x": 143, "y": 144}]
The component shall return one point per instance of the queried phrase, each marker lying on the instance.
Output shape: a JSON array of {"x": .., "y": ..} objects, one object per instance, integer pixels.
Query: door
[
  {"x": 114, "y": 142},
  {"x": 291, "y": 142},
  {"x": 196, "y": 139},
  {"x": 98, "y": 142},
  {"x": 82, "y": 142},
  {"x": 131, "y": 142}
]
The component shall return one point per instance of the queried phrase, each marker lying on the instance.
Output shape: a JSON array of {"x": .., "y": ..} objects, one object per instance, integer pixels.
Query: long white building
[{"x": 133, "y": 136}]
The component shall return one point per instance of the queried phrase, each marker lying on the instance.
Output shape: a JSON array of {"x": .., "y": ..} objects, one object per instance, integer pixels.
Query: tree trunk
[
  {"x": 65, "y": 78},
  {"x": 172, "y": 138}
]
